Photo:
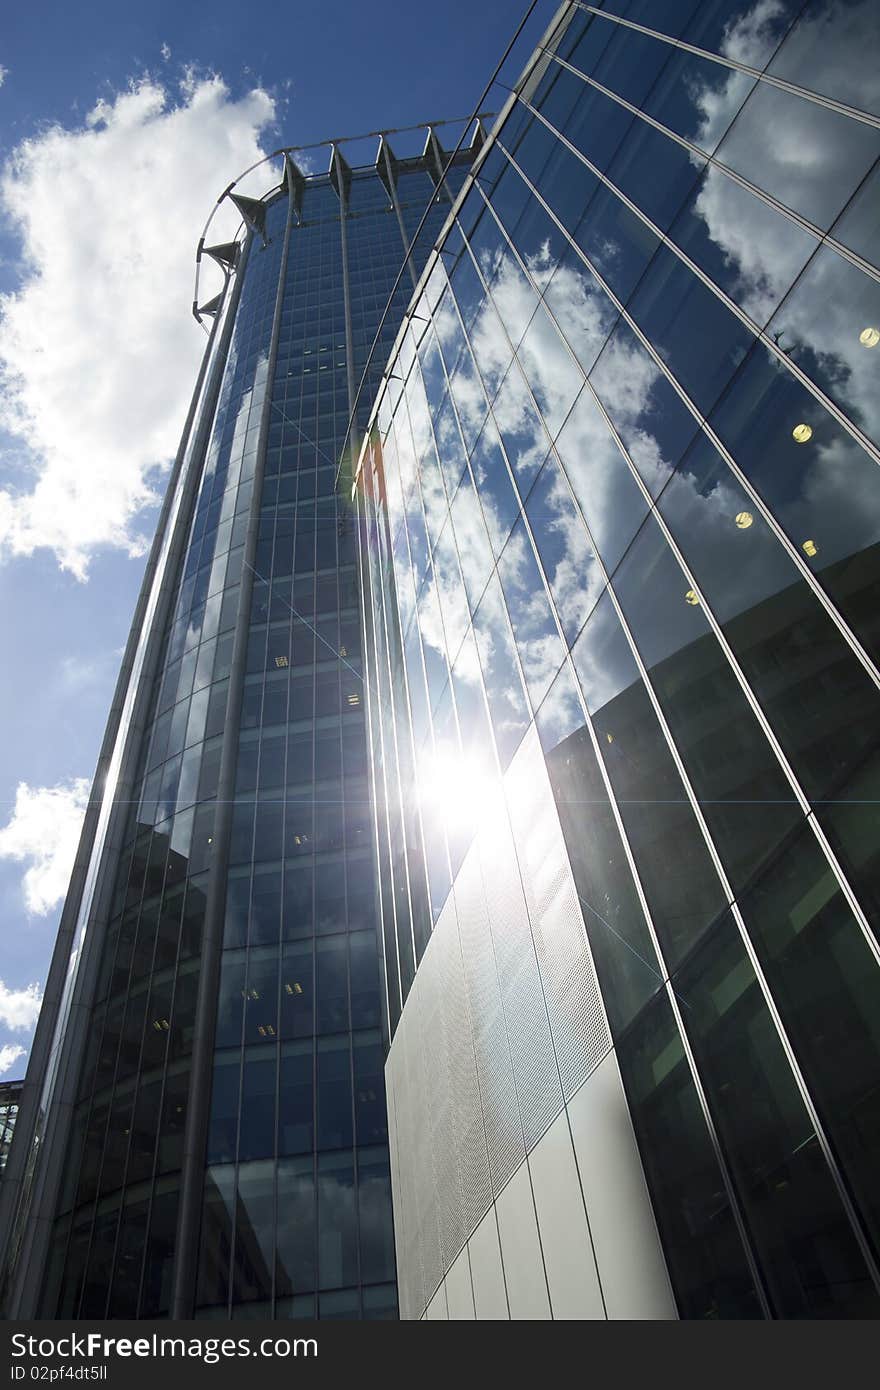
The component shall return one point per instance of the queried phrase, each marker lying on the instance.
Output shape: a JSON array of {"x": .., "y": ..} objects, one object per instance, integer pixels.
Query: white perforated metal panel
[{"x": 580, "y": 1031}]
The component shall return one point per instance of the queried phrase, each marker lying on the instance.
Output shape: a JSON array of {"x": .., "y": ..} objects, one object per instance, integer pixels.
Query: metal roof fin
[
  {"x": 224, "y": 253},
  {"x": 387, "y": 166},
  {"x": 212, "y": 305},
  {"x": 340, "y": 173},
  {"x": 253, "y": 212},
  {"x": 293, "y": 183}
]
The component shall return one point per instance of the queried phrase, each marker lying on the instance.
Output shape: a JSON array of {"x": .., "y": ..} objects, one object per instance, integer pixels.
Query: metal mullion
[
  {"x": 840, "y": 107},
  {"x": 364, "y": 591},
  {"x": 760, "y": 332},
  {"x": 395, "y": 774},
  {"x": 408, "y": 703},
  {"x": 702, "y": 423},
  {"x": 382, "y": 833}
]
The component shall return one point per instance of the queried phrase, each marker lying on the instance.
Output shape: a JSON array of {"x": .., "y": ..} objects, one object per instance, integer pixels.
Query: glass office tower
[
  {"x": 620, "y": 512},
  {"x": 207, "y": 1127}
]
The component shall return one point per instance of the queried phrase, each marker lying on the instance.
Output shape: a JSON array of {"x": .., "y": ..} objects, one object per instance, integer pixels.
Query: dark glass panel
[
  {"x": 704, "y": 1253},
  {"x": 653, "y": 171},
  {"x": 174, "y": 1103},
  {"x": 806, "y": 1247},
  {"x": 821, "y": 704},
  {"x": 295, "y": 1249},
  {"x": 371, "y": 1125},
  {"x": 625, "y": 959},
  {"x": 374, "y": 1216},
  {"x": 746, "y": 800},
  {"x": 826, "y": 983},
  {"x": 254, "y": 1256},
  {"x": 296, "y": 1099},
  {"x": 126, "y": 1282},
  {"x": 223, "y": 1125},
  {"x": 697, "y": 336},
  {"x": 337, "y": 1221},
  {"x": 159, "y": 1258},
  {"x": 676, "y": 871},
  {"x": 334, "y": 1107}
]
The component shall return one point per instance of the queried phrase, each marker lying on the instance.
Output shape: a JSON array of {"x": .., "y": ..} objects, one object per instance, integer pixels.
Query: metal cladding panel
[
  {"x": 468, "y": 1134},
  {"x": 459, "y": 1294},
  {"x": 571, "y": 991},
  {"x": 531, "y": 1045},
  {"x": 487, "y": 1271},
  {"x": 494, "y": 1069},
  {"x": 521, "y": 1250},
  {"x": 569, "y": 1260}
]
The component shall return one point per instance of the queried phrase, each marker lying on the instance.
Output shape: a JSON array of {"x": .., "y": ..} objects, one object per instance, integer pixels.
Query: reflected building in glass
[
  {"x": 203, "y": 1127},
  {"x": 619, "y": 510}
]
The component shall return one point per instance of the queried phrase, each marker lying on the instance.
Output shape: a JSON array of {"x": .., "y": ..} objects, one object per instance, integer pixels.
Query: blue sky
[{"x": 119, "y": 125}]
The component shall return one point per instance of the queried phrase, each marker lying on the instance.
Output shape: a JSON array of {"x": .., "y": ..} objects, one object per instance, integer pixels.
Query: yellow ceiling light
[
  {"x": 744, "y": 520},
  {"x": 692, "y": 598},
  {"x": 801, "y": 433},
  {"x": 281, "y": 662},
  {"x": 869, "y": 337},
  {"x": 810, "y": 548}
]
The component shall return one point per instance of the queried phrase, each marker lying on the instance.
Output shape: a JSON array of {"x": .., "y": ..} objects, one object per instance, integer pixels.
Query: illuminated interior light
[
  {"x": 691, "y": 597},
  {"x": 609, "y": 738},
  {"x": 810, "y": 548},
  {"x": 869, "y": 337},
  {"x": 281, "y": 662},
  {"x": 354, "y": 699},
  {"x": 801, "y": 433},
  {"x": 744, "y": 520}
]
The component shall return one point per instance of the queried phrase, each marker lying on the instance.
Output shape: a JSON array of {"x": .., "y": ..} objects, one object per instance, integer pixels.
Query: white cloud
[
  {"x": 9, "y": 1055},
  {"x": 19, "y": 1007},
  {"x": 4, "y": 73},
  {"x": 42, "y": 833},
  {"x": 165, "y": 51},
  {"x": 98, "y": 353}
]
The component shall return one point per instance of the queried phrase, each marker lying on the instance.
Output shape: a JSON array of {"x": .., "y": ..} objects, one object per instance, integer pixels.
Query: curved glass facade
[{"x": 622, "y": 485}]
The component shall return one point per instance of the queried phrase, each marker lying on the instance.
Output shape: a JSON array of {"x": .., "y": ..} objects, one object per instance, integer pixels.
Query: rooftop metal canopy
[{"x": 387, "y": 165}]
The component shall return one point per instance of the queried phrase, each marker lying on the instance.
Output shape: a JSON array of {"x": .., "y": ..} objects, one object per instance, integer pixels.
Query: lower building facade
[{"x": 619, "y": 512}]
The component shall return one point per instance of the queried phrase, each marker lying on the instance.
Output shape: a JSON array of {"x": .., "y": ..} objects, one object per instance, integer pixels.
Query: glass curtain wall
[
  {"x": 296, "y": 1217},
  {"x": 622, "y": 481}
]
